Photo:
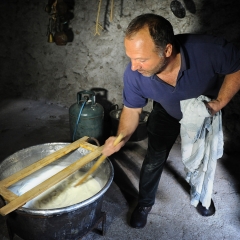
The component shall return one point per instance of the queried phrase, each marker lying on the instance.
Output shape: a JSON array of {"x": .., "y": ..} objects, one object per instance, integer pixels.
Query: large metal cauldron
[{"x": 66, "y": 223}]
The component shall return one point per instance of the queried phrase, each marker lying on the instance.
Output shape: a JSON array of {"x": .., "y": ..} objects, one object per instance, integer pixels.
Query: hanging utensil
[
  {"x": 178, "y": 9},
  {"x": 49, "y": 31},
  {"x": 60, "y": 36}
]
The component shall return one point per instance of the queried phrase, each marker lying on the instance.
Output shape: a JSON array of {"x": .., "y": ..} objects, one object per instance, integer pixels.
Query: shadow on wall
[
  {"x": 27, "y": 30},
  {"x": 222, "y": 18}
]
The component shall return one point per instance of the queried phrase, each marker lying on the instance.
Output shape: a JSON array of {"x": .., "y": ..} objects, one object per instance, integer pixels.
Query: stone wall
[{"x": 33, "y": 68}]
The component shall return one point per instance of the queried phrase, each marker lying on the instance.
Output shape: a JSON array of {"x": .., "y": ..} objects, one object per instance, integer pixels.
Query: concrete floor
[{"x": 24, "y": 123}]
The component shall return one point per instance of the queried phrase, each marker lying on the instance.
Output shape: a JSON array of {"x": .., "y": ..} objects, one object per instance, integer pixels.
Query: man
[{"x": 168, "y": 69}]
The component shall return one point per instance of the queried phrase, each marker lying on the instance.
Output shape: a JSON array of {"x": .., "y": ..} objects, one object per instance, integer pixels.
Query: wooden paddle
[{"x": 99, "y": 161}]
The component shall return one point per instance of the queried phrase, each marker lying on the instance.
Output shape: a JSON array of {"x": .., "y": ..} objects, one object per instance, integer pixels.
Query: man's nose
[{"x": 135, "y": 66}]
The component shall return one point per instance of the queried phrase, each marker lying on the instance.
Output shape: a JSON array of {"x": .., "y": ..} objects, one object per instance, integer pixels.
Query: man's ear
[{"x": 168, "y": 50}]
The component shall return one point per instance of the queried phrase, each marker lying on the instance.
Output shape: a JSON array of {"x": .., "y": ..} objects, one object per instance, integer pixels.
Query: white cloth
[{"x": 202, "y": 145}]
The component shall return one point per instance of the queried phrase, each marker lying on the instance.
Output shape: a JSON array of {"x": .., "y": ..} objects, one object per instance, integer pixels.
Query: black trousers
[{"x": 163, "y": 130}]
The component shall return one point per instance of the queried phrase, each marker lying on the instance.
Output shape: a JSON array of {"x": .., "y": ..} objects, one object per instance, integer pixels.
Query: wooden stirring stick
[{"x": 99, "y": 161}]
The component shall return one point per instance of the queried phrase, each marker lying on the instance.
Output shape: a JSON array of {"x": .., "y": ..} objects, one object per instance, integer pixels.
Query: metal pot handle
[{"x": 90, "y": 94}]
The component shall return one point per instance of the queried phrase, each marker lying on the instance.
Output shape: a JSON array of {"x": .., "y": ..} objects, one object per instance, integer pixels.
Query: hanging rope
[
  {"x": 98, "y": 25},
  {"x": 111, "y": 13},
  {"x": 97, "y": 21}
]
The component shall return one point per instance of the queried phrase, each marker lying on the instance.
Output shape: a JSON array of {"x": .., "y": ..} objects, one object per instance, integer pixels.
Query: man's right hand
[
  {"x": 128, "y": 123},
  {"x": 109, "y": 147}
]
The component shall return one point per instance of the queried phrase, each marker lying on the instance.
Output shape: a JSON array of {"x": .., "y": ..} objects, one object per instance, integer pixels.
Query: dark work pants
[{"x": 163, "y": 130}]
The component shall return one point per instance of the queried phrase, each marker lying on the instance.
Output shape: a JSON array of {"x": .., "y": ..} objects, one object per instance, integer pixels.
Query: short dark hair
[{"x": 160, "y": 29}]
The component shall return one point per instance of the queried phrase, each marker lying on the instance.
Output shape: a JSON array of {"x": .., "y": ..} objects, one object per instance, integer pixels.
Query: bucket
[
  {"x": 141, "y": 131},
  {"x": 71, "y": 222}
]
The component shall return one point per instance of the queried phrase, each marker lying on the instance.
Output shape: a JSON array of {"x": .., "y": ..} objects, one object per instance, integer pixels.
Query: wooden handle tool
[{"x": 99, "y": 161}]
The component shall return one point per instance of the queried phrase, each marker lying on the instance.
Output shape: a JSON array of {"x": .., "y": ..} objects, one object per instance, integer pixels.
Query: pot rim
[{"x": 112, "y": 115}]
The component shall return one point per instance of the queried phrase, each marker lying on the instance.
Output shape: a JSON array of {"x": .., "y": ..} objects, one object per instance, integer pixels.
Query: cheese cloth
[{"x": 201, "y": 146}]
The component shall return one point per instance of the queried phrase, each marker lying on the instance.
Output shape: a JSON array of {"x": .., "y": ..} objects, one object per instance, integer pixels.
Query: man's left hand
[{"x": 213, "y": 106}]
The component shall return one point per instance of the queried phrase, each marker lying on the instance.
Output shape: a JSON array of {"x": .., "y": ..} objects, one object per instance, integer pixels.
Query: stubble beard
[{"x": 158, "y": 69}]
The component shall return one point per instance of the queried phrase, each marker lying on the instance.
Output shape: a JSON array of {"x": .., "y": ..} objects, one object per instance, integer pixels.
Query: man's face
[{"x": 145, "y": 59}]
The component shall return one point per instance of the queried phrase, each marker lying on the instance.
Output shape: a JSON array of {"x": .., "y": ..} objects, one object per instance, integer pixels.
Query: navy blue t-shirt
[{"x": 203, "y": 58}]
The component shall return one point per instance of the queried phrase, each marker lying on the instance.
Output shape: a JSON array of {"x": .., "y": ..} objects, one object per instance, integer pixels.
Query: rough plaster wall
[{"x": 33, "y": 68}]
